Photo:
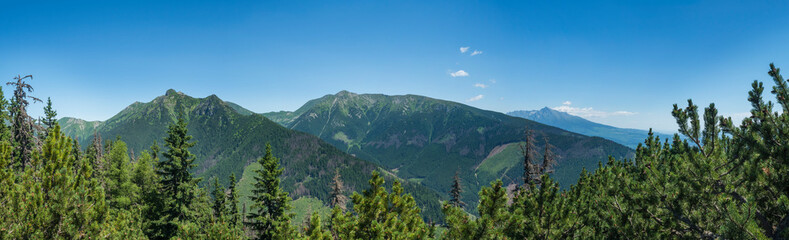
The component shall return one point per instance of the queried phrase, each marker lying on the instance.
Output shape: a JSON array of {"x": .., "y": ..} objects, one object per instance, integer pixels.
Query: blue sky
[{"x": 619, "y": 63}]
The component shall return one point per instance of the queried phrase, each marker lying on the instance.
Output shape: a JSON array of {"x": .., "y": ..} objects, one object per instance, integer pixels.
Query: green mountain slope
[
  {"x": 624, "y": 136},
  {"x": 426, "y": 140},
  {"x": 228, "y": 141}
]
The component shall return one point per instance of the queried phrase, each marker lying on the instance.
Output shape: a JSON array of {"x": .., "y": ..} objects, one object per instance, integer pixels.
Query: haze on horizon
[{"x": 622, "y": 64}]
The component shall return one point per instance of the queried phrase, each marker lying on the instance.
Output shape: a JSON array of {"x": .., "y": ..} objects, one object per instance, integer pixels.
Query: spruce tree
[
  {"x": 22, "y": 124},
  {"x": 176, "y": 181},
  {"x": 269, "y": 218},
  {"x": 337, "y": 199},
  {"x": 455, "y": 192},
  {"x": 219, "y": 201},
  {"x": 232, "y": 201},
  {"x": 50, "y": 115}
]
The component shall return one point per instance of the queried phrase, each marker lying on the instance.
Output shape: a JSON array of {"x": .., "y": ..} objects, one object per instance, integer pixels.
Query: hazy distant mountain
[
  {"x": 426, "y": 140},
  {"x": 230, "y": 137},
  {"x": 624, "y": 136}
]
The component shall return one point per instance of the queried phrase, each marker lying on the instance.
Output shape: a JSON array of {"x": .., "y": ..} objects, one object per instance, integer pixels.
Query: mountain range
[
  {"x": 563, "y": 120},
  {"x": 229, "y": 139},
  {"x": 428, "y": 140}
]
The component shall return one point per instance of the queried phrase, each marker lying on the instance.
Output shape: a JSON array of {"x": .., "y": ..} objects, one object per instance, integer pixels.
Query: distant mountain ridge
[
  {"x": 563, "y": 120},
  {"x": 228, "y": 138},
  {"x": 426, "y": 140}
]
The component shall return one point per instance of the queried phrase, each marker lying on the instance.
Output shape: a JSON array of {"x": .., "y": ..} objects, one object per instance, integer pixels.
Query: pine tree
[
  {"x": 22, "y": 124},
  {"x": 176, "y": 181},
  {"x": 269, "y": 218},
  {"x": 455, "y": 193},
  {"x": 219, "y": 201},
  {"x": 337, "y": 199},
  {"x": 529, "y": 167},
  {"x": 50, "y": 115},
  {"x": 380, "y": 215},
  {"x": 121, "y": 191},
  {"x": 314, "y": 229},
  {"x": 232, "y": 201}
]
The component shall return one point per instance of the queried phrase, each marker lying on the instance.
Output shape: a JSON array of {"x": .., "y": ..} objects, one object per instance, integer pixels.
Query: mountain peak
[
  {"x": 170, "y": 92},
  {"x": 345, "y": 93}
]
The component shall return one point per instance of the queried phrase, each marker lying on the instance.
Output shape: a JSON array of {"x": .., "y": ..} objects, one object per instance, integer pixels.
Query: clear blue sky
[{"x": 627, "y": 62}]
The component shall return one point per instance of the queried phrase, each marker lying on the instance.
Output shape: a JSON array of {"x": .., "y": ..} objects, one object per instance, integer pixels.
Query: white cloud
[
  {"x": 589, "y": 112},
  {"x": 567, "y": 103},
  {"x": 475, "y": 98},
  {"x": 480, "y": 85},
  {"x": 464, "y": 49},
  {"x": 492, "y": 80},
  {"x": 476, "y": 52},
  {"x": 459, "y": 73}
]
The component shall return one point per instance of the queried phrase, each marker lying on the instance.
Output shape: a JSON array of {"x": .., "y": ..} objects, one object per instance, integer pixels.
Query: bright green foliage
[
  {"x": 219, "y": 201},
  {"x": 269, "y": 218},
  {"x": 177, "y": 183},
  {"x": 315, "y": 229},
  {"x": 55, "y": 198},
  {"x": 5, "y": 130},
  {"x": 380, "y": 215},
  {"x": 121, "y": 191}
]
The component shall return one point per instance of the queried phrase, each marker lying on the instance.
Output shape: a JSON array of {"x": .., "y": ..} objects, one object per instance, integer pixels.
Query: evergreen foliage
[
  {"x": 232, "y": 200},
  {"x": 338, "y": 199},
  {"x": 378, "y": 214},
  {"x": 22, "y": 124},
  {"x": 269, "y": 219},
  {"x": 219, "y": 201},
  {"x": 178, "y": 185},
  {"x": 456, "y": 191}
]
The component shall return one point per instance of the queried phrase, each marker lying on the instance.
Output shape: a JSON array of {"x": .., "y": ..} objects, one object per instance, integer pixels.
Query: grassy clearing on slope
[{"x": 497, "y": 164}]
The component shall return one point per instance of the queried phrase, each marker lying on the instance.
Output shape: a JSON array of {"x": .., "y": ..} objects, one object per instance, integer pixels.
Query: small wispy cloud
[
  {"x": 464, "y": 49},
  {"x": 476, "y": 52},
  {"x": 475, "y": 98},
  {"x": 589, "y": 112},
  {"x": 480, "y": 85},
  {"x": 459, "y": 73},
  {"x": 492, "y": 80}
]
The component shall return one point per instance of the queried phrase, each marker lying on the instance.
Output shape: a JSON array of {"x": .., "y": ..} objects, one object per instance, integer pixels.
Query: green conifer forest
[{"x": 716, "y": 179}]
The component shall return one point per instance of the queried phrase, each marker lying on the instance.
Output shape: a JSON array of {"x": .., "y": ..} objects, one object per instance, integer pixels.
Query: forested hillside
[
  {"x": 428, "y": 140},
  {"x": 228, "y": 141}
]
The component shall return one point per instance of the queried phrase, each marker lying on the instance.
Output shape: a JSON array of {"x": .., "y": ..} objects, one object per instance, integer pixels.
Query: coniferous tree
[
  {"x": 337, "y": 199},
  {"x": 50, "y": 115},
  {"x": 5, "y": 130},
  {"x": 270, "y": 218},
  {"x": 22, "y": 124},
  {"x": 219, "y": 201},
  {"x": 380, "y": 215},
  {"x": 529, "y": 167},
  {"x": 121, "y": 192},
  {"x": 177, "y": 182},
  {"x": 232, "y": 201},
  {"x": 315, "y": 230},
  {"x": 456, "y": 191}
]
